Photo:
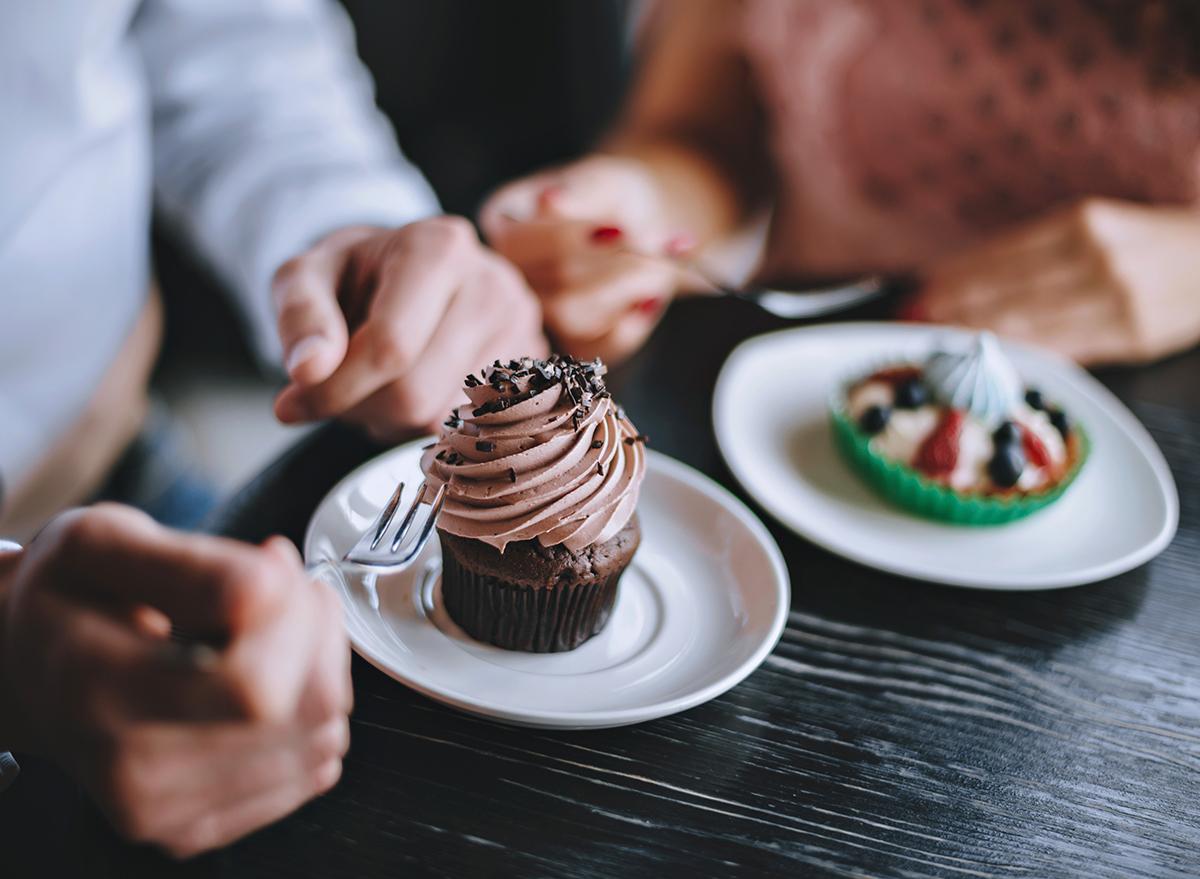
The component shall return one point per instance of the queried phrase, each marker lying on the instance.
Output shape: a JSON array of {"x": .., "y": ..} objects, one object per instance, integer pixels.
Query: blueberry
[
  {"x": 911, "y": 394},
  {"x": 1006, "y": 465},
  {"x": 1007, "y": 434},
  {"x": 1033, "y": 399},
  {"x": 1060, "y": 420},
  {"x": 875, "y": 419}
]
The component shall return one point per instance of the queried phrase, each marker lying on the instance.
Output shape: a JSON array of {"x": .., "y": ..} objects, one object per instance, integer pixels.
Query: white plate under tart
[{"x": 771, "y": 418}]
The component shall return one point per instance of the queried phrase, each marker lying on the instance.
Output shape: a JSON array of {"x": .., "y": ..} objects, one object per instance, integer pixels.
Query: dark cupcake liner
[{"x": 549, "y": 619}]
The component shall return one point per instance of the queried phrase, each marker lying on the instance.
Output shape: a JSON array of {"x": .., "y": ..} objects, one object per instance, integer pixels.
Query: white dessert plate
[
  {"x": 700, "y": 607},
  {"x": 772, "y": 425}
]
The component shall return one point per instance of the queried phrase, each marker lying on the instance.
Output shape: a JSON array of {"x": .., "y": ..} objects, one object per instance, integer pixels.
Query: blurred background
[{"x": 478, "y": 93}]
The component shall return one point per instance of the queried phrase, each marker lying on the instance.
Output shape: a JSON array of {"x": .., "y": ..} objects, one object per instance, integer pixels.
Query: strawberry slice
[
  {"x": 896, "y": 375},
  {"x": 939, "y": 453},
  {"x": 1036, "y": 452}
]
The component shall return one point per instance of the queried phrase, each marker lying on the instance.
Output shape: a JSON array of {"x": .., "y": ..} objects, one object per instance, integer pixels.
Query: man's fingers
[
  {"x": 219, "y": 828},
  {"x": 271, "y": 767},
  {"x": 251, "y": 612},
  {"x": 200, "y": 770},
  {"x": 119, "y": 675},
  {"x": 268, "y": 665},
  {"x": 466, "y": 339},
  {"x": 209, "y": 586},
  {"x": 415, "y": 285},
  {"x": 311, "y": 325},
  {"x": 328, "y": 691}
]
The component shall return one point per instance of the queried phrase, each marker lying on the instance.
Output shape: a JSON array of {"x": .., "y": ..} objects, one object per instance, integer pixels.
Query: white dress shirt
[{"x": 249, "y": 123}]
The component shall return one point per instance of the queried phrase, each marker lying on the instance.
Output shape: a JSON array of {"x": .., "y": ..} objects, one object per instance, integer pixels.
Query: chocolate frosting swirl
[{"x": 540, "y": 452}]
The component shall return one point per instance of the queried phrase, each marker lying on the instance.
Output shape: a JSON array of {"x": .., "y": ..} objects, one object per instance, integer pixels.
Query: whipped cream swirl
[
  {"x": 979, "y": 380},
  {"x": 541, "y": 451}
]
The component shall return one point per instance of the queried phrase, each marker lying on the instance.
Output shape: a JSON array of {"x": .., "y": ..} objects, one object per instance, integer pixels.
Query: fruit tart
[{"x": 958, "y": 437}]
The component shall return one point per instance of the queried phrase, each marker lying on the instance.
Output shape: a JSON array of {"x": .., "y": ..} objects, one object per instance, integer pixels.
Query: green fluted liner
[{"x": 907, "y": 488}]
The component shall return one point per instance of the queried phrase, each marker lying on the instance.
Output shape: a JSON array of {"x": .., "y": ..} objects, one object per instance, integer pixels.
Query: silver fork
[
  {"x": 390, "y": 555},
  {"x": 808, "y": 302},
  {"x": 787, "y": 304},
  {"x": 382, "y": 550}
]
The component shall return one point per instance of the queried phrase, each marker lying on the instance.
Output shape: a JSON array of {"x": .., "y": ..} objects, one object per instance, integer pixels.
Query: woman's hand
[
  {"x": 379, "y": 326},
  {"x": 1102, "y": 282},
  {"x": 594, "y": 240},
  {"x": 184, "y": 747}
]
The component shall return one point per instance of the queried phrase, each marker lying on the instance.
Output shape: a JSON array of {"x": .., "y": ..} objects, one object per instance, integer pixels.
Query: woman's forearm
[{"x": 692, "y": 119}]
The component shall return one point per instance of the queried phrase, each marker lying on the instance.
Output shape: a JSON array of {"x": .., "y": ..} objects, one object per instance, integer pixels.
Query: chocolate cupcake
[{"x": 543, "y": 473}]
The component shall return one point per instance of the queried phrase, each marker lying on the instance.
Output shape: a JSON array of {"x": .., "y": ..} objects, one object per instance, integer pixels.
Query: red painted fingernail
[
  {"x": 680, "y": 243},
  {"x": 605, "y": 234},
  {"x": 649, "y": 305}
]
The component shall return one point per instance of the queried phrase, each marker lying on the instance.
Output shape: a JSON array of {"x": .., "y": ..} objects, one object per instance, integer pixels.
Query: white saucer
[
  {"x": 772, "y": 426},
  {"x": 700, "y": 607}
]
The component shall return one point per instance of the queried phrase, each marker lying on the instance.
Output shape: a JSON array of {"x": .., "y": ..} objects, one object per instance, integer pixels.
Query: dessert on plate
[
  {"x": 542, "y": 472},
  {"x": 959, "y": 436}
]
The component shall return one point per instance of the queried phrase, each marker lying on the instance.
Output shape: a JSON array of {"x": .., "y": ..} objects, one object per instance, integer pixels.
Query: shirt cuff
[{"x": 9, "y": 770}]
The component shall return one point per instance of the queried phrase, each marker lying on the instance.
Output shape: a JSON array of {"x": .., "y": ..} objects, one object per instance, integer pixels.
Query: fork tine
[
  {"x": 392, "y": 557},
  {"x": 406, "y": 522},
  {"x": 435, "y": 508},
  {"x": 385, "y": 517}
]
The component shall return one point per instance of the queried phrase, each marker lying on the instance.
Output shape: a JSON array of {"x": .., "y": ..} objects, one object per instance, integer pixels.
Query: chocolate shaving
[
  {"x": 599, "y": 468},
  {"x": 428, "y": 446},
  {"x": 583, "y": 383},
  {"x": 597, "y": 444},
  {"x": 485, "y": 446},
  {"x": 640, "y": 438},
  {"x": 501, "y": 403},
  {"x": 441, "y": 456},
  {"x": 512, "y": 474}
]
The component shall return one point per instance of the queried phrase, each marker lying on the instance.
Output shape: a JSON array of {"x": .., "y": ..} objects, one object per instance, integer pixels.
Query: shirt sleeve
[{"x": 267, "y": 137}]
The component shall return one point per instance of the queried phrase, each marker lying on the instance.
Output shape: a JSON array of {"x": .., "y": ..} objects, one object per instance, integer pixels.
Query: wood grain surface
[{"x": 899, "y": 729}]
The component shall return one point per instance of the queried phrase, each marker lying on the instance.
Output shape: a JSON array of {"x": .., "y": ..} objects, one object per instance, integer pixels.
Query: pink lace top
[{"x": 901, "y": 129}]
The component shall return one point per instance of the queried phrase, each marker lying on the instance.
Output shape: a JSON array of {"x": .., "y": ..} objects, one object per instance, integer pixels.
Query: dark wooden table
[{"x": 899, "y": 729}]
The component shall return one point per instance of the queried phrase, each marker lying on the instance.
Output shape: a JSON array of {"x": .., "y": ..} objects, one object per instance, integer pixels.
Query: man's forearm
[{"x": 267, "y": 137}]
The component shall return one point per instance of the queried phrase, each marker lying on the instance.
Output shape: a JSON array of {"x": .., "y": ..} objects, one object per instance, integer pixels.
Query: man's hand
[
  {"x": 380, "y": 326},
  {"x": 185, "y": 747},
  {"x": 1101, "y": 281}
]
